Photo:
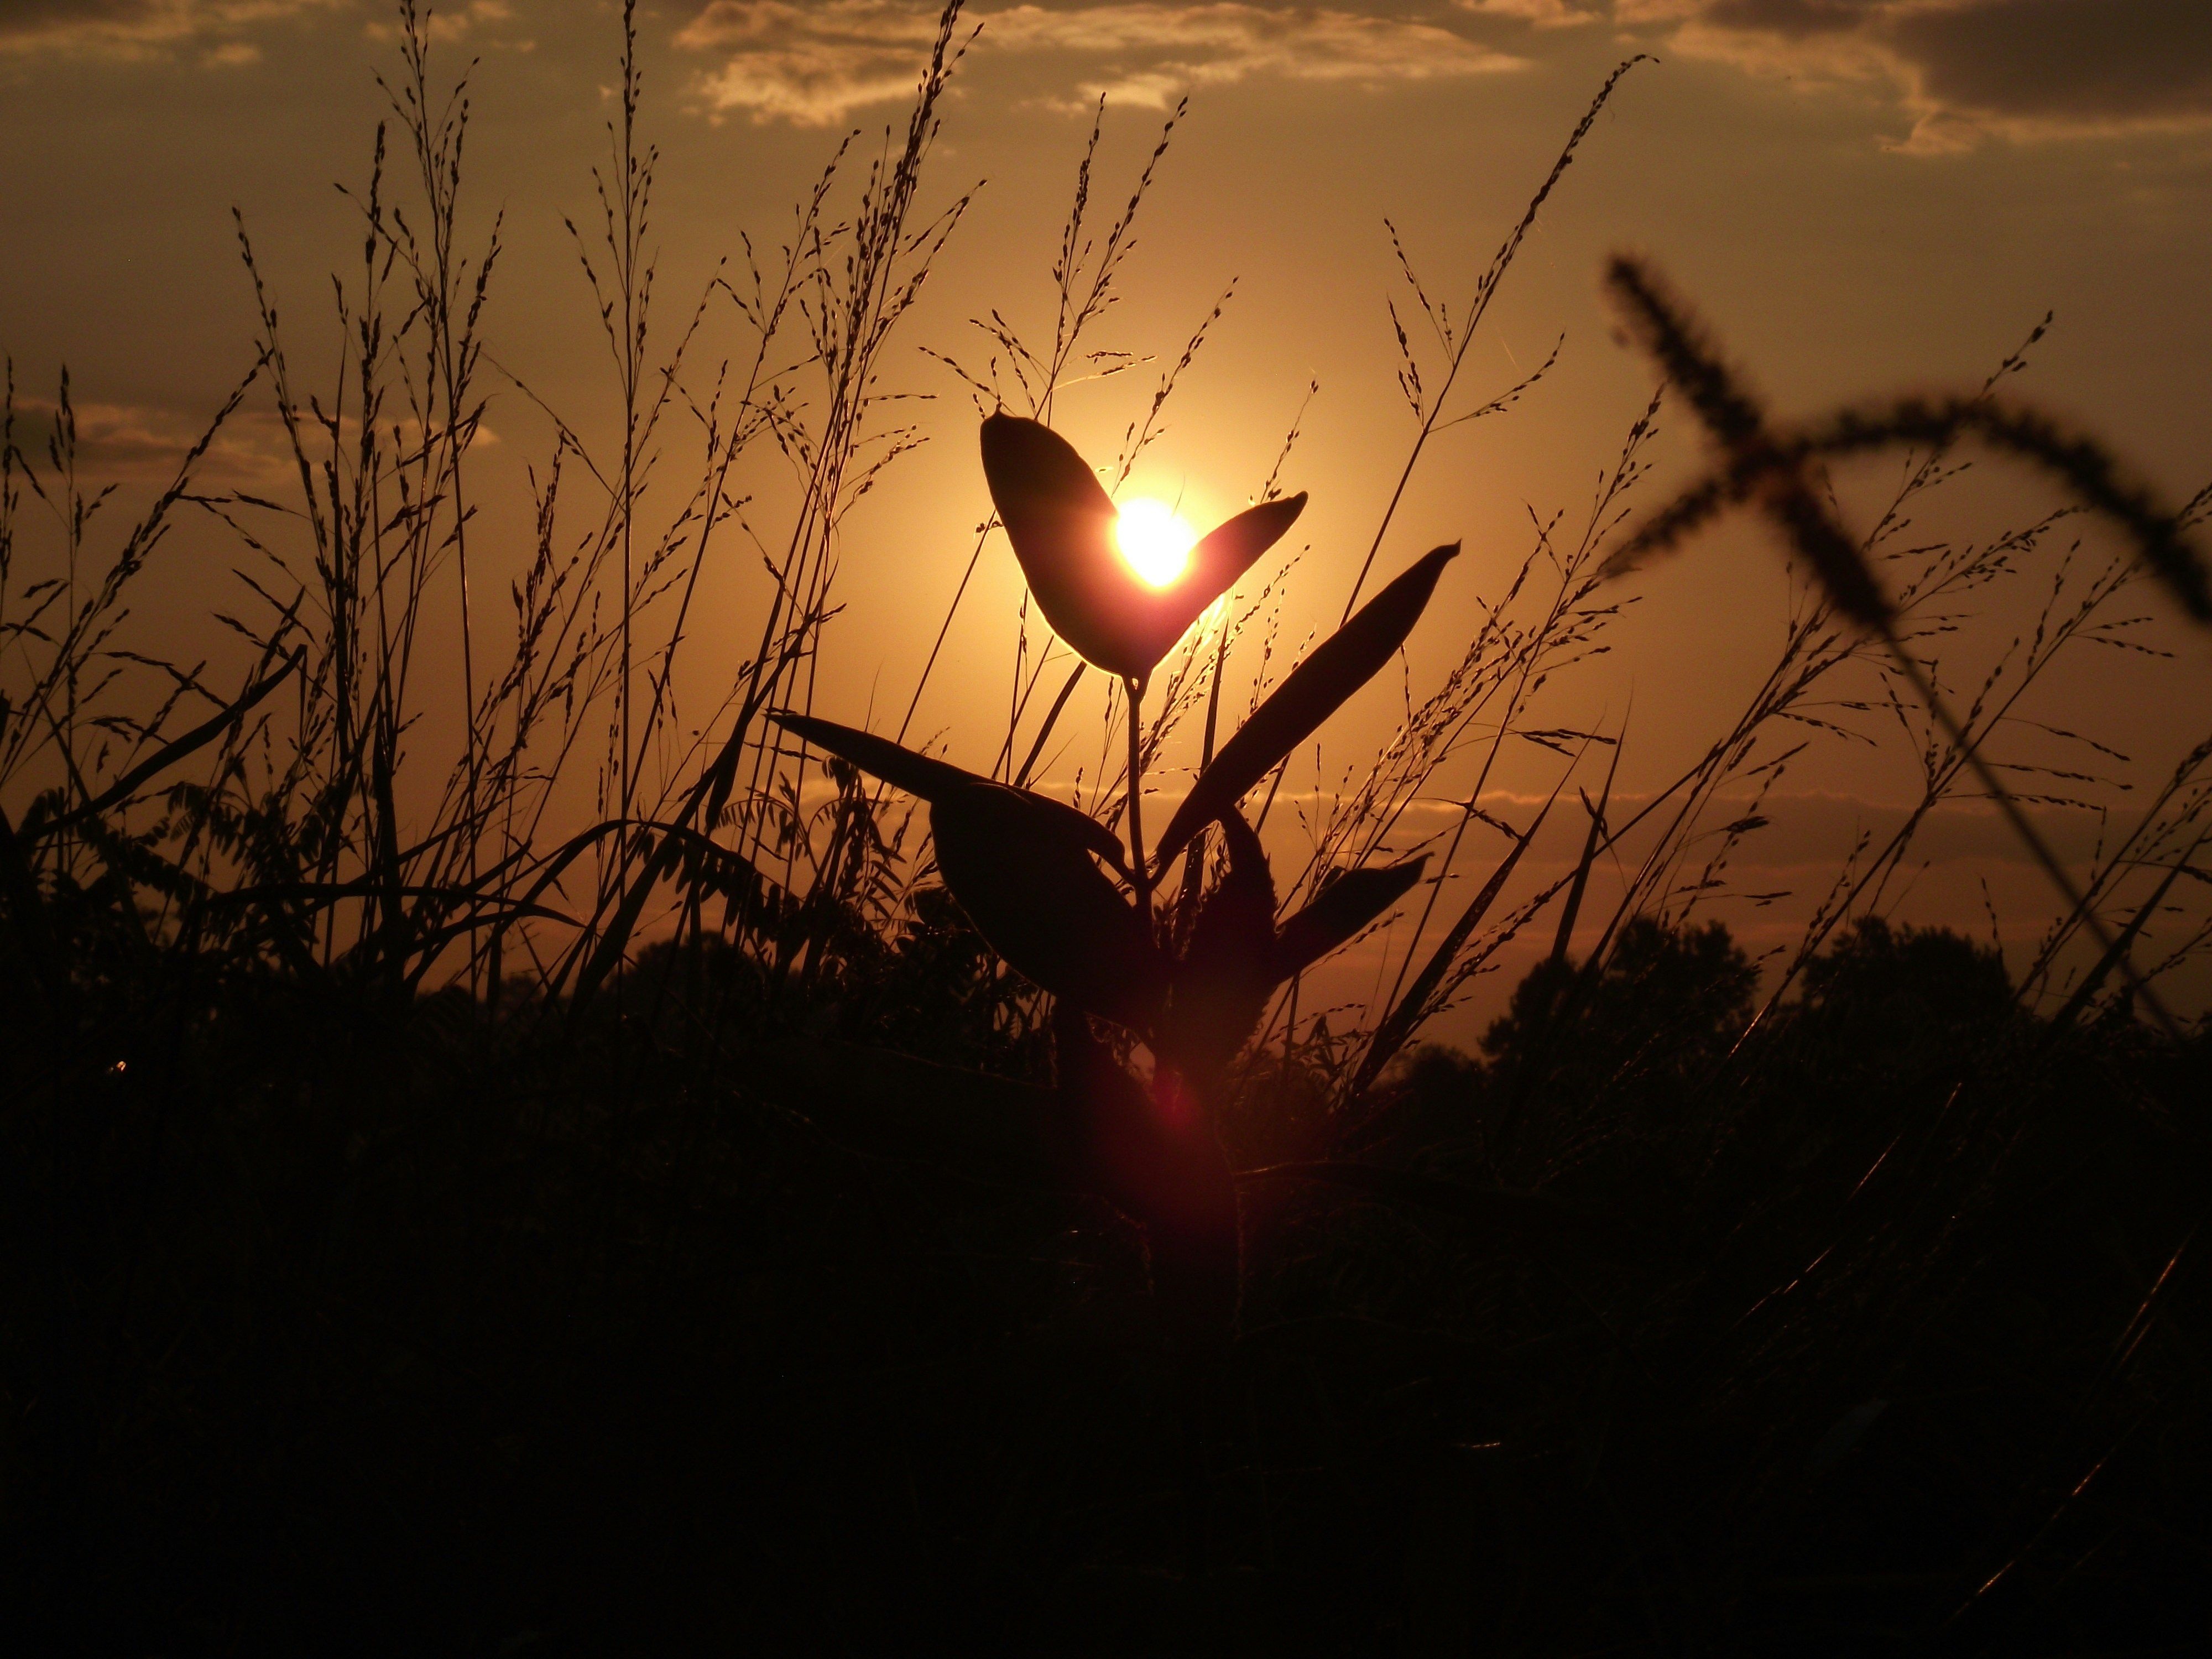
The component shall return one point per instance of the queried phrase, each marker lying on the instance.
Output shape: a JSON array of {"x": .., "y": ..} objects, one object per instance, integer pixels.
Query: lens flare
[{"x": 1154, "y": 541}]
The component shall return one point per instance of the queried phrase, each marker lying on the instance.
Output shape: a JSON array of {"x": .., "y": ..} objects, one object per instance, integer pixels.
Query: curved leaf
[
  {"x": 1221, "y": 984},
  {"x": 896, "y": 765},
  {"x": 1163, "y": 616},
  {"x": 1026, "y": 880},
  {"x": 1060, "y": 521},
  {"x": 1338, "y": 667},
  {"x": 1414, "y": 1007},
  {"x": 930, "y": 778},
  {"x": 1345, "y": 904}
]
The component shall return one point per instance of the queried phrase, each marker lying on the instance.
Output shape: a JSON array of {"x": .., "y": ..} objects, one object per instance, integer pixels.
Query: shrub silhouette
[
  {"x": 1593, "y": 1060},
  {"x": 1664, "y": 1002},
  {"x": 1880, "y": 990}
]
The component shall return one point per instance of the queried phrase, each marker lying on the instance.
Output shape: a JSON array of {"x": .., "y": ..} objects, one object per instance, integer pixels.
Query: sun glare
[{"x": 1156, "y": 543}]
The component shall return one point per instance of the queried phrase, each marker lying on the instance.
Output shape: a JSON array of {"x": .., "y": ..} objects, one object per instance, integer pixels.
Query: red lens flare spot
[{"x": 1177, "y": 1109}]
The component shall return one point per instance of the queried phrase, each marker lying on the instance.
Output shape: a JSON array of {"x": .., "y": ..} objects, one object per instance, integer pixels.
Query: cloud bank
[
  {"x": 1959, "y": 72},
  {"x": 815, "y": 62},
  {"x": 1965, "y": 70}
]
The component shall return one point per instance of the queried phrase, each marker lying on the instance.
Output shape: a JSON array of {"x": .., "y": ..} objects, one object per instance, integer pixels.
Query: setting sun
[{"x": 1155, "y": 541}]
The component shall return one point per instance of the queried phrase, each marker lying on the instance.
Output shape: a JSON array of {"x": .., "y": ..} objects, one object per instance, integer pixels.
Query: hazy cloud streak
[
  {"x": 145, "y": 444},
  {"x": 144, "y": 28}
]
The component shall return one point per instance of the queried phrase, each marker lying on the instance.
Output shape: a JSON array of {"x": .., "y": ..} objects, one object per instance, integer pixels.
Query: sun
[{"x": 1155, "y": 541}]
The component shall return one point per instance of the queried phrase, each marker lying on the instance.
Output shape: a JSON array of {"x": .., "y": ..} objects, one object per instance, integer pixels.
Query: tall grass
[{"x": 497, "y": 1104}]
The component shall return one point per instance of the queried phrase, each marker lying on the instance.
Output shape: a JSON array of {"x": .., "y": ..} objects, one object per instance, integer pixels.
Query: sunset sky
[{"x": 1861, "y": 196}]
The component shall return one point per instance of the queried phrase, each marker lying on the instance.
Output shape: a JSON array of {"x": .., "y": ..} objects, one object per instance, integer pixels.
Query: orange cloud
[
  {"x": 215, "y": 32},
  {"x": 1541, "y": 13},
  {"x": 814, "y": 64}
]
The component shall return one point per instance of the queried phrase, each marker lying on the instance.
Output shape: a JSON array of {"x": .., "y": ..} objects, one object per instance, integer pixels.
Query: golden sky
[{"x": 1861, "y": 196}]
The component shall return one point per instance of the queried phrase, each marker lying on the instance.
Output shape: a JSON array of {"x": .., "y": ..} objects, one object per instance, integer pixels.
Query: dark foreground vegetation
[
  {"x": 348, "y": 1323},
  {"x": 527, "y": 1172}
]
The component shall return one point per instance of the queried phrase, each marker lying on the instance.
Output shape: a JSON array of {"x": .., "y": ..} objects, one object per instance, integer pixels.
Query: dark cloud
[
  {"x": 2074, "y": 60},
  {"x": 1968, "y": 68},
  {"x": 147, "y": 444}
]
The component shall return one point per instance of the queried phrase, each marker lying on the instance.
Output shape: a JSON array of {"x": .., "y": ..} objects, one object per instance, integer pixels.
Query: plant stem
[
  {"x": 1051, "y": 714},
  {"x": 1137, "y": 873},
  {"x": 1485, "y": 291},
  {"x": 1969, "y": 750}
]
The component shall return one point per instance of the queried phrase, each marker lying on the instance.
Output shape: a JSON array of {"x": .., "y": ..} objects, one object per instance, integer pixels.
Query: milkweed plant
[{"x": 1056, "y": 893}]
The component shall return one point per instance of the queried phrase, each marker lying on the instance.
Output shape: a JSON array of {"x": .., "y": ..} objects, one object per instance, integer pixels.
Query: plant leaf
[
  {"x": 1338, "y": 667},
  {"x": 1414, "y": 1007},
  {"x": 920, "y": 774},
  {"x": 1025, "y": 878},
  {"x": 1060, "y": 521},
  {"x": 1221, "y": 556},
  {"x": 1347, "y": 902},
  {"x": 1221, "y": 984},
  {"x": 170, "y": 753},
  {"x": 900, "y": 766}
]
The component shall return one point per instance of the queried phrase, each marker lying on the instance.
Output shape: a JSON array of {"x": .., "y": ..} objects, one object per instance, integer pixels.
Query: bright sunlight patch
[{"x": 1154, "y": 540}]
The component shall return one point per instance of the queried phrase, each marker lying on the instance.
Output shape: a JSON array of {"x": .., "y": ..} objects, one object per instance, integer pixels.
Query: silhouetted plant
[{"x": 1032, "y": 874}]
